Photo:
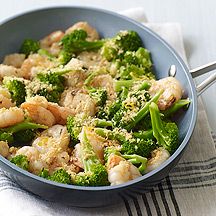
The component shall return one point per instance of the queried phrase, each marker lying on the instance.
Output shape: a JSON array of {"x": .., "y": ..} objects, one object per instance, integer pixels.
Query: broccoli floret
[
  {"x": 166, "y": 133},
  {"x": 75, "y": 124},
  {"x": 29, "y": 46},
  {"x": 142, "y": 147},
  {"x": 64, "y": 57},
  {"x": 137, "y": 160},
  {"x": 46, "y": 53},
  {"x": 20, "y": 161},
  {"x": 7, "y": 134},
  {"x": 99, "y": 95},
  {"x": 24, "y": 137},
  {"x": 50, "y": 85},
  {"x": 136, "y": 65},
  {"x": 114, "y": 48},
  {"x": 130, "y": 145},
  {"x": 44, "y": 173},
  {"x": 16, "y": 87},
  {"x": 95, "y": 174},
  {"x": 123, "y": 120},
  {"x": 75, "y": 43},
  {"x": 60, "y": 176}
]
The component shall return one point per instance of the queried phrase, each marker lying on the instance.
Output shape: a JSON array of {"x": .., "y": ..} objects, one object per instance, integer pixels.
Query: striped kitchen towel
[{"x": 189, "y": 190}]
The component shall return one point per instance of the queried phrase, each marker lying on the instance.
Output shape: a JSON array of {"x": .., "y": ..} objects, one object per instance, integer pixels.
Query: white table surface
[{"x": 197, "y": 18}]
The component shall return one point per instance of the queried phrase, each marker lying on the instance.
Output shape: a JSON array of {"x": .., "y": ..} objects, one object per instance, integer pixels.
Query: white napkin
[{"x": 16, "y": 202}]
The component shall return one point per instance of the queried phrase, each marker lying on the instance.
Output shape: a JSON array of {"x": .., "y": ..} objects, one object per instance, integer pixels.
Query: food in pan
[{"x": 77, "y": 109}]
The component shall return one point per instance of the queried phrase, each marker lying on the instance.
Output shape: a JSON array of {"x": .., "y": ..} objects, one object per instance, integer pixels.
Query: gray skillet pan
[{"x": 37, "y": 24}]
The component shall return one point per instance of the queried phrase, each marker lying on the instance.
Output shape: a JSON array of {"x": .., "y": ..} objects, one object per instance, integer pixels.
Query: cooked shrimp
[
  {"x": 60, "y": 113},
  {"x": 76, "y": 158},
  {"x": 11, "y": 116},
  {"x": 92, "y": 33},
  {"x": 81, "y": 103},
  {"x": 60, "y": 134},
  {"x": 34, "y": 60},
  {"x": 6, "y": 70},
  {"x": 4, "y": 148},
  {"x": 5, "y": 98},
  {"x": 35, "y": 164},
  {"x": 43, "y": 112},
  {"x": 105, "y": 81},
  {"x": 52, "y": 146},
  {"x": 39, "y": 114},
  {"x": 51, "y": 42},
  {"x": 172, "y": 91},
  {"x": 14, "y": 60},
  {"x": 90, "y": 59},
  {"x": 158, "y": 156},
  {"x": 121, "y": 171}
]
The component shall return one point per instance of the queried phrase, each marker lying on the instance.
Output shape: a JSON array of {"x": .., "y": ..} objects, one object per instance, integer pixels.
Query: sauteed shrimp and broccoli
[{"x": 77, "y": 109}]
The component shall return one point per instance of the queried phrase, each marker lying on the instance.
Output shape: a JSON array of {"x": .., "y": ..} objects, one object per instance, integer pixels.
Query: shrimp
[
  {"x": 14, "y": 60},
  {"x": 121, "y": 170},
  {"x": 80, "y": 103},
  {"x": 43, "y": 112},
  {"x": 158, "y": 156},
  {"x": 172, "y": 91},
  {"x": 51, "y": 42},
  {"x": 52, "y": 146},
  {"x": 34, "y": 61},
  {"x": 11, "y": 116},
  {"x": 105, "y": 81},
  {"x": 60, "y": 113},
  {"x": 6, "y": 70},
  {"x": 76, "y": 157},
  {"x": 35, "y": 163},
  {"x": 39, "y": 114},
  {"x": 92, "y": 33},
  {"x": 5, "y": 98},
  {"x": 4, "y": 148}
]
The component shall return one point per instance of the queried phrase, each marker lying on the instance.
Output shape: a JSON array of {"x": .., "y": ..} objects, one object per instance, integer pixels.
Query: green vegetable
[
  {"x": 75, "y": 124},
  {"x": 24, "y": 137},
  {"x": 75, "y": 43},
  {"x": 115, "y": 47},
  {"x": 60, "y": 176},
  {"x": 44, "y": 173},
  {"x": 29, "y": 46},
  {"x": 130, "y": 122},
  {"x": 16, "y": 87},
  {"x": 132, "y": 145},
  {"x": 7, "y": 134},
  {"x": 95, "y": 173},
  {"x": 183, "y": 103},
  {"x": 137, "y": 160},
  {"x": 99, "y": 95},
  {"x": 166, "y": 133},
  {"x": 20, "y": 161}
]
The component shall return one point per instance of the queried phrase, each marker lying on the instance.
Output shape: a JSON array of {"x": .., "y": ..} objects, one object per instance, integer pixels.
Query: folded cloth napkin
[{"x": 188, "y": 190}]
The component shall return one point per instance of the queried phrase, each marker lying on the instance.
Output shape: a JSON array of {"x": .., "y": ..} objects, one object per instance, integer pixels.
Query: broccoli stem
[
  {"x": 144, "y": 86},
  {"x": 119, "y": 84},
  {"x": 136, "y": 160},
  {"x": 176, "y": 106},
  {"x": 148, "y": 134},
  {"x": 108, "y": 134},
  {"x": 88, "y": 155},
  {"x": 24, "y": 126},
  {"x": 143, "y": 111},
  {"x": 103, "y": 123}
]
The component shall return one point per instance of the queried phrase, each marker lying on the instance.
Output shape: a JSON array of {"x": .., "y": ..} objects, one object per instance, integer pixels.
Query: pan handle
[{"x": 202, "y": 70}]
